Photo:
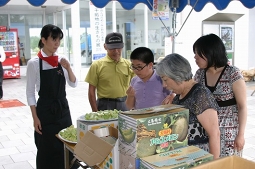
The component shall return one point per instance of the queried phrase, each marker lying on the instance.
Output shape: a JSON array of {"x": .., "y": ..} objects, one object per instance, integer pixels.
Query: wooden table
[{"x": 69, "y": 147}]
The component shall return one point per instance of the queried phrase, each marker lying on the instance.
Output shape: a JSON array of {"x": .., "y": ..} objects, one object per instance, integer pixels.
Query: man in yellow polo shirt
[{"x": 109, "y": 77}]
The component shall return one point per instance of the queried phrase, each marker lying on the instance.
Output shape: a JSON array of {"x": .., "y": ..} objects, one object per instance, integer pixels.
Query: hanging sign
[
  {"x": 160, "y": 9},
  {"x": 98, "y": 31}
]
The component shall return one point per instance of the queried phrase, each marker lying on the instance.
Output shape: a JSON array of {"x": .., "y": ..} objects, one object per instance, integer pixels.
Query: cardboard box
[
  {"x": 128, "y": 162},
  {"x": 147, "y": 134},
  {"x": 182, "y": 158},
  {"x": 83, "y": 126},
  {"x": 231, "y": 162},
  {"x": 95, "y": 151},
  {"x": 151, "y": 132}
]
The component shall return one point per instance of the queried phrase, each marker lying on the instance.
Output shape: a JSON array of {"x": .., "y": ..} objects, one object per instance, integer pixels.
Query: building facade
[{"x": 138, "y": 27}]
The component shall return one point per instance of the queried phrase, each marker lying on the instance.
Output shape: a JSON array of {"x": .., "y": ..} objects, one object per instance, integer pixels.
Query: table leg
[{"x": 66, "y": 152}]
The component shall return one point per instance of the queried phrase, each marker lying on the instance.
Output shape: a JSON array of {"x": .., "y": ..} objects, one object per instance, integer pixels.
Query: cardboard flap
[
  {"x": 113, "y": 132},
  {"x": 154, "y": 111},
  {"x": 91, "y": 149},
  {"x": 231, "y": 162}
]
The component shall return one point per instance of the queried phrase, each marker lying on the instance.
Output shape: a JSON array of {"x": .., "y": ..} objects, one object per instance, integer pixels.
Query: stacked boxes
[
  {"x": 150, "y": 131},
  {"x": 182, "y": 158}
]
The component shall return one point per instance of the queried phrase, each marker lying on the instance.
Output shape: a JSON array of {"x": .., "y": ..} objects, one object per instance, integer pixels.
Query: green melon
[
  {"x": 144, "y": 149},
  {"x": 180, "y": 127}
]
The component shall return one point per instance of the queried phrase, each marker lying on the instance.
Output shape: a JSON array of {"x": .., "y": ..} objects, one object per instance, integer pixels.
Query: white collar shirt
[{"x": 33, "y": 77}]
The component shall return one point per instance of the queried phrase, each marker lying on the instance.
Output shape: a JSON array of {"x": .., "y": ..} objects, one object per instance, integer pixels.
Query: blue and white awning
[
  {"x": 130, "y": 4},
  {"x": 36, "y": 2},
  {"x": 199, "y": 4},
  {"x": 3, "y": 2},
  {"x": 41, "y": 2}
]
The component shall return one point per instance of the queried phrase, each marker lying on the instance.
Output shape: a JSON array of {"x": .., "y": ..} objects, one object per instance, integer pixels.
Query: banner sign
[
  {"x": 98, "y": 31},
  {"x": 160, "y": 9}
]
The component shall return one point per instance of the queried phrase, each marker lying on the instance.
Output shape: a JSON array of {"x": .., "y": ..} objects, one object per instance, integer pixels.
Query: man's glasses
[{"x": 138, "y": 68}]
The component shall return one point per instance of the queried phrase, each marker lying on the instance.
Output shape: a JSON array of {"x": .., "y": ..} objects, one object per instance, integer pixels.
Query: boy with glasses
[{"x": 146, "y": 89}]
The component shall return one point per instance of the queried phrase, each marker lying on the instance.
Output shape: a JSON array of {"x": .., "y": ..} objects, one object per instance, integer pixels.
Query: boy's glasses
[{"x": 138, "y": 68}]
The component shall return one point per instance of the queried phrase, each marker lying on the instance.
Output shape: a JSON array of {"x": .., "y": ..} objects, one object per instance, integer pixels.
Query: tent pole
[{"x": 174, "y": 28}]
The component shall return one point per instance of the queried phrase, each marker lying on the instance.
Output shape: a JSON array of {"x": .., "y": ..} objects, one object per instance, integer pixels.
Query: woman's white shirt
[
  {"x": 33, "y": 77},
  {"x": 2, "y": 53}
]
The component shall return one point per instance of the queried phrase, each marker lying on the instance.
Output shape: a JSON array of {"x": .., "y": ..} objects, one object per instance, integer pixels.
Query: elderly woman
[{"x": 176, "y": 75}]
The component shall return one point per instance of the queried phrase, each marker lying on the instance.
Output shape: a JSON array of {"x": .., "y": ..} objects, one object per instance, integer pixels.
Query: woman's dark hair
[
  {"x": 212, "y": 48},
  {"x": 143, "y": 54},
  {"x": 50, "y": 30}
]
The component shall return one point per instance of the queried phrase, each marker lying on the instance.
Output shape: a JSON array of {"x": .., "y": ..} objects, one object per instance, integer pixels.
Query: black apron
[{"x": 54, "y": 114}]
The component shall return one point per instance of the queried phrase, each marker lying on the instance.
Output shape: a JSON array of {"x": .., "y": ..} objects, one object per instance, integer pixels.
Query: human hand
[
  {"x": 65, "y": 63},
  {"x": 239, "y": 142},
  {"x": 130, "y": 92},
  {"x": 168, "y": 99},
  {"x": 37, "y": 125}
]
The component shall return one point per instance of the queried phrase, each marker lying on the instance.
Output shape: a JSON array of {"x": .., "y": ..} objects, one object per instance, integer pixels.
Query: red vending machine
[{"x": 9, "y": 41}]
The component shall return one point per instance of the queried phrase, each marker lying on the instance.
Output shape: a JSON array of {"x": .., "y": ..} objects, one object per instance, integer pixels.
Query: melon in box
[{"x": 154, "y": 130}]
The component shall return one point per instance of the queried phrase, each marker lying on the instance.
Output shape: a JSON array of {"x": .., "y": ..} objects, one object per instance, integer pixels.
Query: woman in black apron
[{"x": 51, "y": 113}]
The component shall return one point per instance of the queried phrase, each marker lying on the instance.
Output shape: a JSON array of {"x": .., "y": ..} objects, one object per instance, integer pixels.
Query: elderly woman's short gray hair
[{"x": 175, "y": 67}]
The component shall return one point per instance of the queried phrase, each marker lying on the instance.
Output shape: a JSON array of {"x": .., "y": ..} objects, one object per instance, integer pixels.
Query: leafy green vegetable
[
  {"x": 102, "y": 115},
  {"x": 69, "y": 134}
]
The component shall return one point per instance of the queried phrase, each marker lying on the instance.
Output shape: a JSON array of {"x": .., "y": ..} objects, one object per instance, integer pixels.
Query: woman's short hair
[
  {"x": 175, "y": 67},
  {"x": 142, "y": 54},
  {"x": 213, "y": 49},
  {"x": 50, "y": 30}
]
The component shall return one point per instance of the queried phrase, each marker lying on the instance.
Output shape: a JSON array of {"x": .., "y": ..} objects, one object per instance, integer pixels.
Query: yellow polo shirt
[{"x": 111, "y": 79}]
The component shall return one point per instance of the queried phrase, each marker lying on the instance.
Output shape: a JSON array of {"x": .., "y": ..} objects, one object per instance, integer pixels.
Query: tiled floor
[{"x": 17, "y": 149}]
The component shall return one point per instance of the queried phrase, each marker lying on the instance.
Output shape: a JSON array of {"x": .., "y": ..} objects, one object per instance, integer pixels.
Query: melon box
[
  {"x": 154, "y": 130},
  {"x": 181, "y": 158}
]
